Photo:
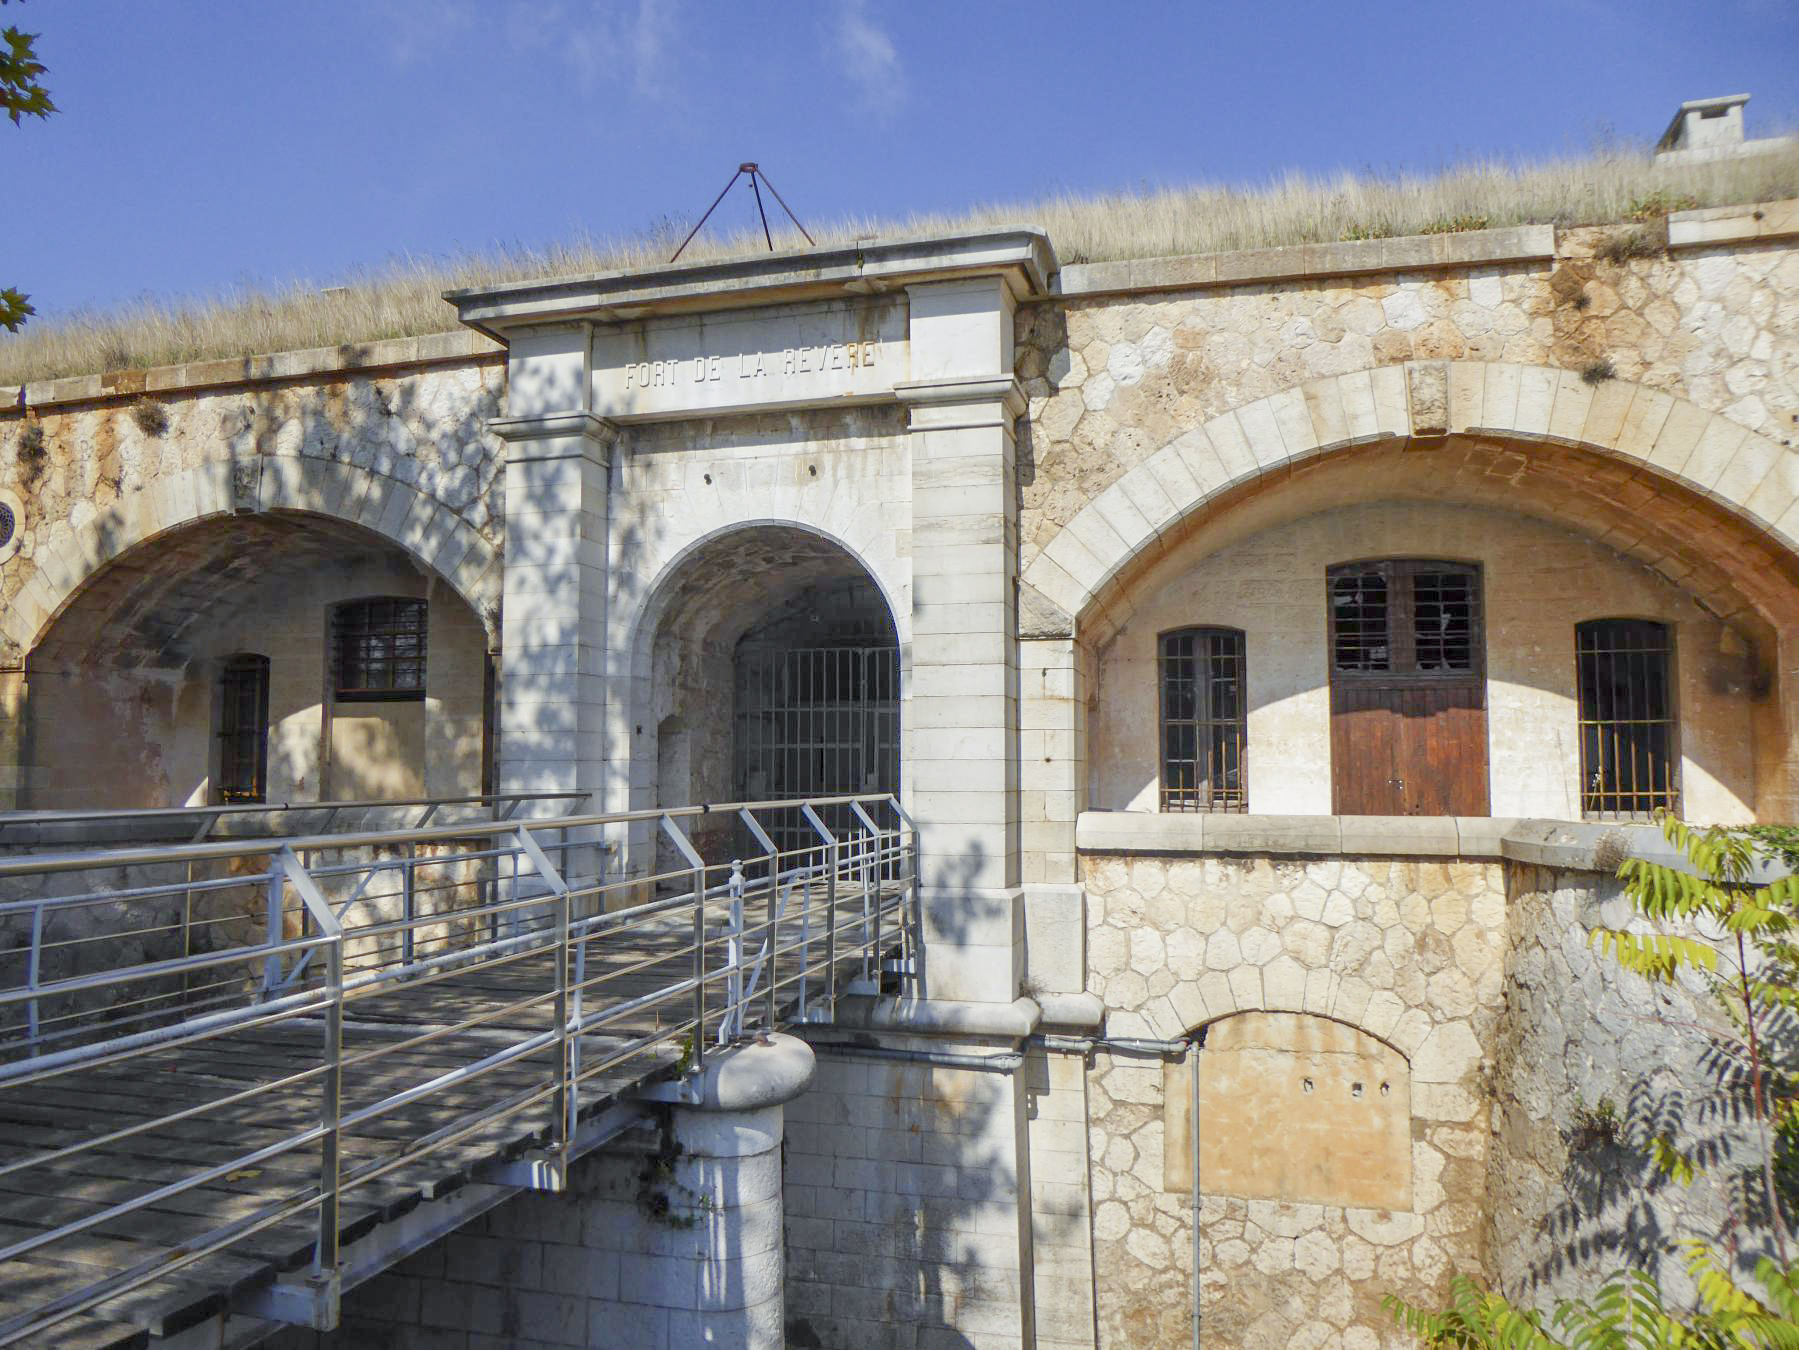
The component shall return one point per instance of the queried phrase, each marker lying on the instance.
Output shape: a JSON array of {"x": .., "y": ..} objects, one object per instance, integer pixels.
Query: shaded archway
[
  {"x": 125, "y": 682},
  {"x": 765, "y": 666}
]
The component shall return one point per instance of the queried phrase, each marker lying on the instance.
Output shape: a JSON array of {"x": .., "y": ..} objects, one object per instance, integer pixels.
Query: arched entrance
[
  {"x": 268, "y": 656},
  {"x": 771, "y": 671}
]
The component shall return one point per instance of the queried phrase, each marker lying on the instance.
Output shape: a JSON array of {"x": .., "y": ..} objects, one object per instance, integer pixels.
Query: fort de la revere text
[{"x": 719, "y": 367}]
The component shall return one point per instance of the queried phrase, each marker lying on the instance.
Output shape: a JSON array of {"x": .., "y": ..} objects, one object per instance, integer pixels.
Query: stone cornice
[
  {"x": 1021, "y": 254},
  {"x": 948, "y": 405},
  {"x": 543, "y": 435}
]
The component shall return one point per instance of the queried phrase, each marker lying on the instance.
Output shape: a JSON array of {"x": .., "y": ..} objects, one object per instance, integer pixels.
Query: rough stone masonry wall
[
  {"x": 1591, "y": 1064},
  {"x": 423, "y": 429},
  {"x": 1113, "y": 379},
  {"x": 1410, "y": 952}
]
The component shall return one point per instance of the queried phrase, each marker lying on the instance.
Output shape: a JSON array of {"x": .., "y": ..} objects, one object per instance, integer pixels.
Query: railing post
[
  {"x": 805, "y": 939},
  {"x": 699, "y": 968},
  {"x": 285, "y": 868},
  {"x": 271, "y": 967},
  {"x": 34, "y": 973},
  {"x": 565, "y": 1101},
  {"x": 833, "y": 857},
  {"x": 771, "y": 966},
  {"x": 871, "y": 891},
  {"x": 408, "y": 902},
  {"x": 913, "y": 905},
  {"x": 684, "y": 845},
  {"x": 325, "y": 1256},
  {"x": 733, "y": 1021}
]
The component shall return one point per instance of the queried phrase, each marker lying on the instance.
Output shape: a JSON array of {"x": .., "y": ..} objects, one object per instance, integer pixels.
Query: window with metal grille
[
  {"x": 244, "y": 729},
  {"x": 1405, "y": 619},
  {"x": 1627, "y": 731},
  {"x": 378, "y": 649},
  {"x": 1204, "y": 720}
]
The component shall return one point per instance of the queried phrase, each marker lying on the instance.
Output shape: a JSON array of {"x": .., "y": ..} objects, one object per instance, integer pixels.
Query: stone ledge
[
  {"x": 1733, "y": 224},
  {"x": 1405, "y": 253},
  {"x": 365, "y": 358},
  {"x": 1565, "y": 845}
]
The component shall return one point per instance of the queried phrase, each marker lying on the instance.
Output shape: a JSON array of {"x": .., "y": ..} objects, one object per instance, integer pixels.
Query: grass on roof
[{"x": 403, "y": 298}]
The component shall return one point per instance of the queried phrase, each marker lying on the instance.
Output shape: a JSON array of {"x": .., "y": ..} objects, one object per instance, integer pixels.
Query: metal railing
[
  {"x": 196, "y": 824},
  {"x": 343, "y": 1019}
]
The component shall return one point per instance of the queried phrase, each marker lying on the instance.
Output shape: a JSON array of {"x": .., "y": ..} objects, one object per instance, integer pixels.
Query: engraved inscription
[
  {"x": 750, "y": 365},
  {"x": 789, "y": 356}
]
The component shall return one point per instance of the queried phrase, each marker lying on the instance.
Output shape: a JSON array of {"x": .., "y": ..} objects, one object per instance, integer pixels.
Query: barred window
[
  {"x": 1204, "y": 720},
  {"x": 1627, "y": 728},
  {"x": 1405, "y": 619},
  {"x": 244, "y": 729},
  {"x": 378, "y": 649}
]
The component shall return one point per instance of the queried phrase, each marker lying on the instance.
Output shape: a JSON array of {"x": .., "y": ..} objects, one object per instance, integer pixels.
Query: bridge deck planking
[{"x": 58, "y": 1112}]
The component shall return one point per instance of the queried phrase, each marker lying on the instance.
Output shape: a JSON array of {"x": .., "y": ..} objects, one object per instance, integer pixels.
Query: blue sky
[{"x": 204, "y": 145}]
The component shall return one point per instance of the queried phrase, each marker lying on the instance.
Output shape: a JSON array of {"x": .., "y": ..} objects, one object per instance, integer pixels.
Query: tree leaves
[
  {"x": 1625, "y": 1313},
  {"x": 21, "y": 94},
  {"x": 1655, "y": 956}
]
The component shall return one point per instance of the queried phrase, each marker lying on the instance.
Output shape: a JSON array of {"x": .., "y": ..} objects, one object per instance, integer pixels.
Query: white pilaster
[
  {"x": 961, "y": 717},
  {"x": 553, "y": 621}
]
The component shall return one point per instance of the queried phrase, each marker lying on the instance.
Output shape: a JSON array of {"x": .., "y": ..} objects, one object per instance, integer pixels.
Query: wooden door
[{"x": 1408, "y": 689}]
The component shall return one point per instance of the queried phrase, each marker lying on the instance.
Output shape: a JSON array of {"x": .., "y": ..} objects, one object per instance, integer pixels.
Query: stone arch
[
  {"x": 436, "y": 538},
  {"x": 678, "y": 645},
  {"x": 654, "y": 595},
  {"x": 1748, "y": 479}
]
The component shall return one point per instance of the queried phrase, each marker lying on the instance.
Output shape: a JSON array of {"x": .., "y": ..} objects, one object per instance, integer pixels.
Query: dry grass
[{"x": 404, "y": 297}]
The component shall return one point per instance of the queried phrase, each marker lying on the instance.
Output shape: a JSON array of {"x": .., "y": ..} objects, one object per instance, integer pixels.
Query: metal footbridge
[{"x": 240, "y": 1076}]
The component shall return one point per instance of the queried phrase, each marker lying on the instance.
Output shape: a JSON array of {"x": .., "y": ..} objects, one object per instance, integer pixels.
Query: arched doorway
[
  {"x": 772, "y": 671},
  {"x": 816, "y": 700}
]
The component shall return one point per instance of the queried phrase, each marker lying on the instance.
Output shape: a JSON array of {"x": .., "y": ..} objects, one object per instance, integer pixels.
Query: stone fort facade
[{"x": 1275, "y": 649}]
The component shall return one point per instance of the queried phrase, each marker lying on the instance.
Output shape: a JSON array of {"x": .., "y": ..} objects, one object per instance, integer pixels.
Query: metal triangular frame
[{"x": 754, "y": 173}]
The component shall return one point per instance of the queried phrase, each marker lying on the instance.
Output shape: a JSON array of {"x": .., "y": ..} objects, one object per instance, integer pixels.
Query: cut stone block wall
[
  {"x": 657, "y": 1245},
  {"x": 1409, "y": 952},
  {"x": 903, "y": 1222}
]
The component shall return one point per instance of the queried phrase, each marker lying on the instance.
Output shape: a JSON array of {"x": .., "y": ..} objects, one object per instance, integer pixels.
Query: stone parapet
[
  {"x": 361, "y": 359},
  {"x": 1297, "y": 262}
]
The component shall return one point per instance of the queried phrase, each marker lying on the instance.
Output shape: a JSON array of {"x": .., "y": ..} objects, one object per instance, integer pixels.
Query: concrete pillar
[
  {"x": 553, "y": 620},
  {"x": 699, "y": 1237},
  {"x": 961, "y": 717}
]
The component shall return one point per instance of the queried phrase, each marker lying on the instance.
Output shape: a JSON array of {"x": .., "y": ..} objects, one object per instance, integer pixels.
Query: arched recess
[
  {"x": 773, "y": 654},
  {"x": 1697, "y": 499},
  {"x": 434, "y": 537},
  {"x": 123, "y": 682}
]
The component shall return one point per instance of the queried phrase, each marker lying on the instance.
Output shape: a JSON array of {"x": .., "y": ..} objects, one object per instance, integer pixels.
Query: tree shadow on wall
[
  {"x": 923, "y": 1228},
  {"x": 1622, "y": 1209}
]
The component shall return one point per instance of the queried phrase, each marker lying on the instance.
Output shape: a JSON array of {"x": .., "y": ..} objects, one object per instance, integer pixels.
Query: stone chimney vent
[{"x": 1705, "y": 124}]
